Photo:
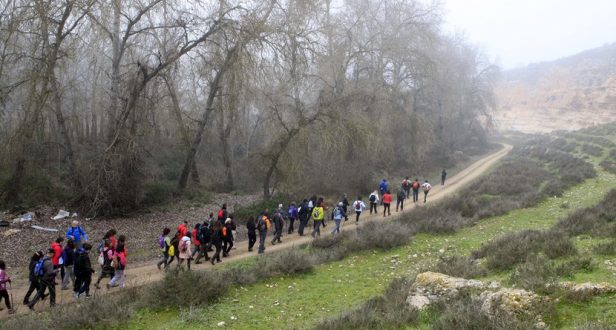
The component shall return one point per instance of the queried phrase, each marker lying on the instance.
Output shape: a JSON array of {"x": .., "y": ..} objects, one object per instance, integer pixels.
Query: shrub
[
  {"x": 609, "y": 165},
  {"x": 592, "y": 150},
  {"x": 597, "y": 220},
  {"x": 570, "y": 267},
  {"x": 158, "y": 192},
  {"x": 537, "y": 274},
  {"x": 285, "y": 262},
  {"x": 388, "y": 311},
  {"x": 381, "y": 235},
  {"x": 245, "y": 212},
  {"x": 553, "y": 188},
  {"x": 608, "y": 248},
  {"x": 459, "y": 266},
  {"x": 179, "y": 288}
]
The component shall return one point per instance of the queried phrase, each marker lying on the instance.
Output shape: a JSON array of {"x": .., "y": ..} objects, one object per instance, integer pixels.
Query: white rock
[
  {"x": 418, "y": 302},
  {"x": 221, "y": 323}
]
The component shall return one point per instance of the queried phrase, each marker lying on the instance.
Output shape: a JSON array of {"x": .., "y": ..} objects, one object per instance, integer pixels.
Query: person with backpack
[
  {"x": 68, "y": 257},
  {"x": 201, "y": 242},
  {"x": 185, "y": 252},
  {"x": 383, "y": 187},
  {"x": 76, "y": 234},
  {"x": 400, "y": 197},
  {"x": 4, "y": 293},
  {"x": 122, "y": 243},
  {"x": 228, "y": 238},
  {"x": 345, "y": 206},
  {"x": 374, "y": 201},
  {"x": 183, "y": 228},
  {"x": 337, "y": 214},
  {"x": 83, "y": 271},
  {"x": 105, "y": 259},
  {"x": 263, "y": 225},
  {"x": 415, "y": 186},
  {"x": 119, "y": 264},
  {"x": 223, "y": 214},
  {"x": 303, "y": 213},
  {"x": 46, "y": 273},
  {"x": 217, "y": 242},
  {"x": 443, "y": 177},
  {"x": 210, "y": 220},
  {"x": 278, "y": 219},
  {"x": 196, "y": 243},
  {"x": 293, "y": 214},
  {"x": 359, "y": 207},
  {"x": 426, "y": 189},
  {"x": 34, "y": 280},
  {"x": 251, "y": 228},
  {"x": 406, "y": 187},
  {"x": 318, "y": 216},
  {"x": 174, "y": 250},
  {"x": 387, "y": 203},
  {"x": 164, "y": 243}
]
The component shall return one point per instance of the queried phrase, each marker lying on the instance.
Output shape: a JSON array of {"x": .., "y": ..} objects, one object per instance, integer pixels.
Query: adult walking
[
  {"x": 374, "y": 201},
  {"x": 303, "y": 212},
  {"x": 278, "y": 219},
  {"x": 337, "y": 214},
  {"x": 4, "y": 293},
  {"x": 318, "y": 216},
  {"x": 263, "y": 225},
  {"x": 359, "y": 207},
  {"x": 416, "y": 185},
  {"x": 426, "y": 187},
  {"x": 164, "y": 243},
  {"x": 387, "y": 203},
  {"x": 68, "y": 258},
  {"x": 217, "y": 242},
  {"x": 400, "y": 200},
  {"x": 47, "y": 273},
  {"x": 345, "y": 206},
  {"x": 292, "y": 214},
  {"x": 83, "y": 271},
  {"x": 228, "y": 239},
  {"x": 251, "y": 228},
  {"x": 383, "y": 187},
  {"x": 406, "y": 187},
  {"x": 443, "y": 177},
  {"x": 34, "y": 280},
  {"x": 76, "y": 234},
  {"x": 107, "y": 270}
]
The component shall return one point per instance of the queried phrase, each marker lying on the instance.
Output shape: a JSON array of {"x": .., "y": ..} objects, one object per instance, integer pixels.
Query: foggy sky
[{"x": 518, "y": 32}]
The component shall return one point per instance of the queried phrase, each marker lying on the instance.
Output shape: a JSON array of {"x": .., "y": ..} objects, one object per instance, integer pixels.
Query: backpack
[
  {"x": 415, "y": 185},
  {"x": 315, "y": 213},
  {"x": 406, "y": 184},
  {"x": 171, "y": 250},
  {"x": 183, "y": 246},
  {"x": 39, "y": 268},
  {"x": 221, "y": 214},
  {"x": 358, "y": 205},
  {"x": 161, "y": 241},
  {"x": 103, "y": 258},
  {"x": 372, "y": 198},
  {"x": 261, "y": 224},
  {"x": 224, "y": 231},
  {"x": 337, "y": 212}
]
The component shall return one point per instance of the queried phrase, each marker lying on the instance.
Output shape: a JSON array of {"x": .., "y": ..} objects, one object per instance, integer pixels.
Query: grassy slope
[{"x": 301, "y": 300}]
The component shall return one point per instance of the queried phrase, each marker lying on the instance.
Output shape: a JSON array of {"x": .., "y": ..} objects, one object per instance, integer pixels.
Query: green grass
[{"x": 300, "y": 301}]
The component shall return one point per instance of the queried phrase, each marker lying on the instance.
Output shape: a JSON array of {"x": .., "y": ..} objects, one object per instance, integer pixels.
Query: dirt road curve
[{"x": 144, "y": 274}]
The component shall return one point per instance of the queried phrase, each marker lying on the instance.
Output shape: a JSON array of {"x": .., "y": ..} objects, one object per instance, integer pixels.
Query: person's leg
[
  {"x": 5, "y": 294},
  {"x": 262, "y": 237},
  {"x": 388, "y": 209},
  {"x": 52, "y": 292},
  {"x": 123, "y": 280},
  {"x": 65, "y": 277},
  {"x": 425, "y": 196},
  {"x": 357, "y": 214},
  {"x": 319, "y": 227},
  {"x": 33, "y": 286},
  {"x": 85, "y": 288},
  {"x": 402, "y": 205},
  {"x": 77, "y": 284}
]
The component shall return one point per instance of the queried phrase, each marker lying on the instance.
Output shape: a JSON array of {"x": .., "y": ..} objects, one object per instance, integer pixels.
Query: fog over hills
[{"x": 569, "y": 93}]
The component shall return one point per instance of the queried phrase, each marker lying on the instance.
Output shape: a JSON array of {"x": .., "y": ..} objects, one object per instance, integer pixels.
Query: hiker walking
[
  {"x": 383, "y": 187},
  {"x": 415, "y": 186},
  {"x": 217, "y": 242},
  {"x": 263, "y": 225},
  {"x": 406, "y": 187},
  {"x": 4, "y": 293},
  {"x": 251, "y": 228},
  {"x": 201, "y": 241},
  {"x": 76, "y": 234},
  {"x": 318, "y": 216},
  {"x": 400, "y": 197},
  {"x": 68, "y": 258},
  {"x": 34, "y": 280},
  {"x": 443, "y": 177},
  {"x": 196, "y": 244},
  {"x": 303, "y": 212},
  {"x": 228, "y": 230},
  {"x": 104, "y": 259},
  {"x": 359, "y": 207},
  {"x": 185, "y": 252},
  {"x": 164, "y": 243},
  {"x": 374, "y": 201},
  {"x": 83, "y": 271},
  {"x": 223, "y": 214},
  {"x": 345, "y": 206},
  {"x": 183, "y": 228},
  {"x": 293, "y": 214},
  {"x": 174, "y": 250},
  {"x": 278, "y": 219},
  {"x": 46, "y": 273},
  {"x": 119, "y": 265},
  {"x": 387, "y": 203},
  {"x": 337, "y": 214},
  {"x": 426, "y": 189}
]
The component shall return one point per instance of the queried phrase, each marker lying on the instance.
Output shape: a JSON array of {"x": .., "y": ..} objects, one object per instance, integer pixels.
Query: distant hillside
[{"x": 569, "y": 93}]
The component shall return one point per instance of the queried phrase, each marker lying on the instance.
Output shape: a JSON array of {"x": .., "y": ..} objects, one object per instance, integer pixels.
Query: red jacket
[
  {"x": 387, "y": 198},
  {"x": 57, "y": 248},
  {"x": 195, "y": 241},
  {"x": 182, "y": 229}
]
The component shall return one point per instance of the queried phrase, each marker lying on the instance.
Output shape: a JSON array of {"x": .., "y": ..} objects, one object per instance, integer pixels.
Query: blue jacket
[
  {"x": 78, "y": 233},
  {"x": 293, "y": 214},
  {"x": 383, "y": 186}
]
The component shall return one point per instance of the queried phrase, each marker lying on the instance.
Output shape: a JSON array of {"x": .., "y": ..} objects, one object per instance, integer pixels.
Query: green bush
[
  {"x": 592, "y": 150},
  {"x": 179, "y": 288},
  {"x": 608, "y": 248},
  {"x": 537, "y": 274},
  {"x": 459, "y": 266},
  {"x": 597, "y": 220}
]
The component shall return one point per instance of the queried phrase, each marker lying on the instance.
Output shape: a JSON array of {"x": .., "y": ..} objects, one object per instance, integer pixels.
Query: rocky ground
[{"x": 18, "y": 241}]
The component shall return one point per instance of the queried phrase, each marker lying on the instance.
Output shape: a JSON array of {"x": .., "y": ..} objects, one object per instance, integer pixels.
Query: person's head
[
  {"x": 426, "y": 181},
  {"x": 305, "y": 201},
  {"x": 358, "y": 198},
  {"x": 416, "y": 179},
  {"x": 186, "y": 223},
  {"x": 75, "y": 224},
  {"x": 251, "y": 219},
  {"x": 197, "y": 226},
  {"x": 70, "y": 244},
  {"x": 319, "y": 203},
  {"x": 345, "y": 195},
  {"x": 384, "y": 180},
  {"x": 279, "y": 207},
  {"x": 224, "y": 206},
  {"x": 87, "y": 246},
  {"x": 107, "y": 243},
  {"x": 166, "y": 231},
  {"x": 407, "y": 178},
  {"x": 110, "y": 232},
  {"x": 211, "y": 214},
  {"x": 37, "y": 255},
  {"x": 50, "y": 253},
  {"x": 389, "y": 192},
  {"x": 321, "y": 200},
  {"x": 228, "y": 220},
  {"x": 122, "y": 238},
  {"x": 60, "y": 239},
  {"x": 340, "y": 204},
  {"x": 292, "y": 204},
  {"x": 2, "y": 265}
]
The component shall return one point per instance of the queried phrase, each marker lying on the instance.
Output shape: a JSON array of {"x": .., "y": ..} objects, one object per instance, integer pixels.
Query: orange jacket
[{"x": 387, "y": 198}]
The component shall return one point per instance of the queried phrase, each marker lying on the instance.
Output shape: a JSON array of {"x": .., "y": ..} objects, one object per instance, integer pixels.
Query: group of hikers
[
  {"x": 73, "y": 265},
  {"x": 216, "y": 234}
]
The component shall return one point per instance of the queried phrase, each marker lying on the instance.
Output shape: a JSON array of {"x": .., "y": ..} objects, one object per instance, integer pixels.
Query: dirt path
[{"x": 148, "y": 273}]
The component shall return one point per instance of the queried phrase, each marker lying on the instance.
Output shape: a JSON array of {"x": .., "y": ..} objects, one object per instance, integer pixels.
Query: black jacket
[
  {"x": 83, "y": 266},
  {"x": 252, "y": 227}
]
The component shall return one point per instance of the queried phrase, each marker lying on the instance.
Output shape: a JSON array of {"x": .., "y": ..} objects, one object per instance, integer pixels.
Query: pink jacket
[
  {"x": 186, "y": 242},
  {"x": 3, "y": 279}
]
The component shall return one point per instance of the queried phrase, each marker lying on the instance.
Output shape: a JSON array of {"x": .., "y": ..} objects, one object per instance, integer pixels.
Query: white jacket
[
  {"x": 376, "y": 195},
  {"x": 361, "y": 205}
]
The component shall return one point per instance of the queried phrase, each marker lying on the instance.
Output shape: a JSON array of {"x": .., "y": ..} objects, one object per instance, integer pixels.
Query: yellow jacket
[{"x": 318, "y": 214}]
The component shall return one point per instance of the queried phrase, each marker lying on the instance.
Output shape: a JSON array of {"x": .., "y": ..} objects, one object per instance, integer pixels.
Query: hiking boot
[
  {"x": 76, "y": 295},
  {"x": 249, "y": 250},
  {"x": 31, "y": 307},
  {"x": 273, "y": 242},
  {"x": 197, "y": 262},
  {"x": 97, "y": 286},
  {"x": 212, "y": 261}
]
